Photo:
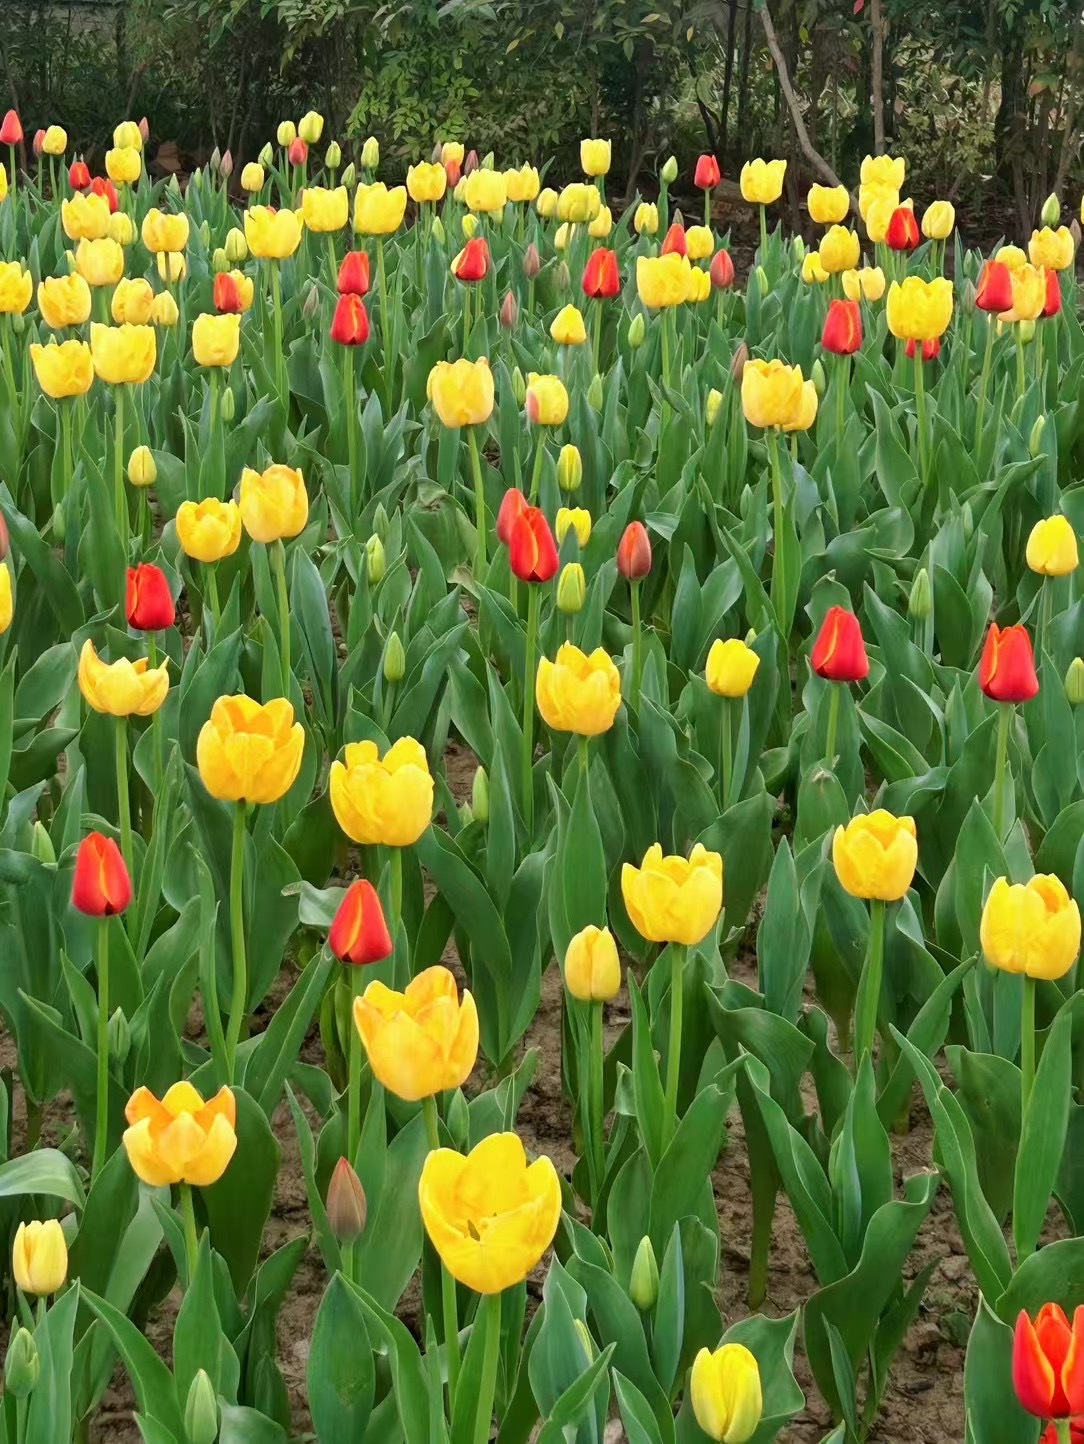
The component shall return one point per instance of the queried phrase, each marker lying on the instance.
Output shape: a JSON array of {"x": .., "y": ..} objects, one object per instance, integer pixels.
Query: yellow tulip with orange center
[
  {"x": 181, "y": 1139},
  {"x": 422, "y": 1041},
  {"x": 386, "y": 800},
  {"x": 578, "y": 692}
]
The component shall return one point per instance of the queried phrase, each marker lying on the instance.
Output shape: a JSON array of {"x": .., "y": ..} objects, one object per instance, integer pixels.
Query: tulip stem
[
  {"x": 597, "y": 331},
  {"x": 1021, "y": 379},
  {"x": 119, "y": 499},
  {"x": 1065, "y": 1431},
  {"x": 239, "y": 992},
  {"x": 1045, "y": 608},
  {"x": 920, "y": 416},
  {"x": 124, "y": 807},
  {"x": 597, "y": 1104},
  {"x": 664, "y": 341},
  {"x": 778, "y": 592},
  {"x": 280, "y": 358},
  {"x": 156, "y": 719},
  {"x": 673, "y": 1053},
  {"x": 278, "y": 553},
  {"x": 833, "y": 721},
  {"x": 101, "y": 1120},
  {"x": 637, "y": 643},
  {"x": 211, "y": 580},
  {"x": 726, "y": 752},
  {"x": 488, "y": 1318},
  {"x": 1004, "y": 722},
  {"x": 763, "y": 236},
  {"x": 536, "y": 469},
  {"x": 449, "y": 1304},
  {"x": 869, "y": 985},
  {"x": 395, "y": 869},
  {"x": 191, "y": 1237},
  {"x": 386, "y": 321},
  {"x": 479, "y": 505},
  {"x": 351, "y": 408},
  {"x": 466, "y": 317},
  {"x": 843, "y": 370},
  {"x": 984, "y": 381},
  {"x": 353, "y": 1095},
  {"x": 1027, "y": 1045},
  {"x": 533, "y": 602}
]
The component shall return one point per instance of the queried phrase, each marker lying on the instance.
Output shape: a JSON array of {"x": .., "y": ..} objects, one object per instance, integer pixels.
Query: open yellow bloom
[
  {"x": 180, "y": 1139},
  {"x": 938, "y": 220},
  {"x": 867, "y": 284},
  {"x": 1031, "y": 927},
  {"x": 248, "y": 752},
  {"x": 461, "y": 392},
  {"x": 121, "y": 688},
  {"x": 573, "y": 518},
  {"x": 39, "y": 1257},
  {"x": 774, "y": 394},
  {"x": 490, "y": 1215},
  {"x": 698, "y": 285},
  {"x": 547, "y": 400},
  {"x": 592, "y": 967},
  {"x": 377, "y": 210},
  {"x": 100, "y": 263},
  {"x": 85, "y": 217},
  {"x": 55, "y": 140},
  {"x": 386, "y": 800},
  {"x": 16, "y": 288},
  {"x": 877, "y": 208},
  {"x": 839, "y": 250},
  {"x": 674, "y": 899},
  {"x": 272, "y": 235},
  {"x": 122, "y": 353},
  {"x": 828, "y": 205},
  {"x": 920, "y": 310},
  {"x": 123, "y": 165},
  {"x": 726, "y": 1393},
  {"x": 546, "y": 204},
  {"x": 132, "y": 301},
  {"x": 875, "y": 855},
  {"x": 452, "y": 150},
  {"x": 813, "y": 273},
  {"x": 762, "y": 180},
  {"x": 699, "y": 242},
  {"x": 567, "y": 327},
  {"x": 127, "y": 133},
  {"x": 886, "y": 171},
  {"x": 594, "y": 157},
  {"x": 274, "y": 503},
  {"x": 421, "y": 1041},
  {"x": 325, "y": 210},
  {"x": 164, "y": 231},
  {"x": 578, "y": 203},
  {"x": 209, "y": 530},
  {"x": 485, "y": 190},
  {"x": 1028, "y": 294},
  {"x": 64, "y": 370},
  {"x": 731, "y": 667},
  {"x": 602, "y": 225},
  {"x": 426, "y": 181},
  {"x": 1052, "y": 249},
  {"x": 216, "y": 340},
  {"x": 662, "y": 281},
  {"x": 578, "y": 693},
  {"x": 522, "y": 185},
  {"x": 1052, "y": 547},
  {"x": 646, "y": 219}
]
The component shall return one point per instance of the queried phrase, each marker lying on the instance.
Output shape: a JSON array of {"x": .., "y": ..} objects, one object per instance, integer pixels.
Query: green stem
[
  {"x": 350, "y": 404},
  {"x": 763, "y": 236},
  {"x": 1021, "y": 379},
  {"x": 353, "y": 1094},
  {"x": 1039, "y": 357},
  {"x": 984, "y": 381},
  {"x": 596, "y": 1099},
  {"x": 534, "y": 599},
  {"x": 156, "y": 719},
  {"x": 1045, "y": 608},
  {"x": 869, "y": 987},
  {"x": 479, "y": 505},
  {"x": 385, "y": 318},
  {"x": 1027, "y": 1045},
  {"x": 488, "y": 1318},
  {"x": 395, "y": 865},
  {"x": 664, "y": 339},
  {"x": 1065, "y": 1431},
  {"x": 101, "y": 1120},
  {"x": 333, "y": 267},
  {"x": 64, "y": 409},
  {"x": 1004, "y": 722},
  {"x": 778, "y": 564},
  {"x": 124, "y": 807},
  {"x": 278, "y": 555},
  {"x": 536, "y": 469},
  {"x": 191, "y": 1238},
  {"x": 673, "y": 1054},
  {"x": 597, "y": 331},
  {"x": 449, "y": 1305},
  {"x": 920, "y": 416},
  {"x": 466, "y": 316},
  {"x": 120, "y": 501},
  {"x": 726, "y": 752},
  {"x": 280, "y": 356},
  {"x": 239, "y": 994},
  {"x": 211, "y": 579},
  {"x": 637, "y": 644},
  {"x": 833, "y": 721}
]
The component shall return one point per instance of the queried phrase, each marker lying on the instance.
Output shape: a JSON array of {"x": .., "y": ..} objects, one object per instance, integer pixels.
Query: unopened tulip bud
[
  {"x": 145, "y": 129},
  {"x": 216, "y": 158},
  {"x": 380, "y": 521},
  {"x": 669, "y": 171},
  {"x": 370, "y": 153},
  {"x": 219, "y": 260},
  {"x": 762, "y": 281},
  {"x": 637, "y": 331},
  {"x": 920, "y": 602},
  {"x": 227, "y": 407},
  {"x": 18, "y": 322},
  {"x": 312, "y": 302},
  {"x": 436, "y": 155},
  {"x": 22, "y": 1365},
  {"x": 561, "y": 276},
  {"x": 347, "y": 1208},
  {"x": 1026, "y": 331},
  {"x": 120, "y": 1036},
  {"x": 585, "y": 1339},
  {"x": 349, "y": 176},
  {"x": 1074, "y": 682},
  {"x": 1035, "y": 440},
  {"x": 487, "y": 160},
  {"x": 817, "y": 376},
  {"x": 266, "y": 156},
  {"x": 205, "y": 234},
  {"x": 286, "y": 134},
  {"x": 1074, "y": 230},
  {"x": 375, "y": 561},
  {"x": 471, "y": 162},
  {"x": 595, "y": 393},
  {"x": 737, "y": 363},
  {"x": 236, "y": 247},
  {"x": 519, "y": 386},
  {"x": 58, "y": 519},
  {"x": 333, "y": 156},
  {"x": 458, "y": 1116},
  {"x": 465, "y": 814},
  {"x": 436, "y": 230},
  {"x": 677, "y": 219},
  {"x": 479, "y": 795},
  {"x": 225, "y": 165},
  {"x": 298, "y": 153},
  {"x": 712, "y": 405},
  {"x": 142, "y": 470},
  {"x": 509, "y": 311},
  {"x": 569, "y": 468},
  {"x": 201, "y": 1410},
  {"x": 532, "y": 262},
  {"x": 394, "y": 659},
  {"x": 173, "y": 185},
  {"x": 571, "y": 589},
  {"x": 797, "y": 249},
  {"x": 644, "y": 1283},
  {"x": 469, "y": 226},
  {"x": 1050, "y": 215},
  {"x": 41, "y": 844}
]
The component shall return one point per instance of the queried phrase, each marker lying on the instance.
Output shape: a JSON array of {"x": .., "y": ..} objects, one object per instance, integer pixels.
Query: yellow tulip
[
  {"x": 421, "y": 1041},
  {"x": 64, "y": 370},
  {"x": 712, "y": 405},
  {"x": 1031, "y": 928},
  {"x": 426, "y": 182},
  {"x": 573, "y": 518},
  {"x": 868, "y": 284},
  {"x": 828, "y": 205},
  {"x": 142, "y": 470},
  {"x": 274, "y": 503},
  {"x": 121, "y": 228},
  {"x": 3, "y": 182},
  {"x": 461, "y": 392},
  {"x": 123, "y": 165},
  {"x": 662, "y": 281},
  {"x": 578, "y": 203},
  {"x": 762, "y": 181},
  {"x": 377, "y": 210},
  {"x": 489, "y": 1215},
  {"x": 470, "y": 230},
  {"x": 594, "y": 157},
  {"x": 1012, "y": 256},
  {"x": 813, "y": 273},
  {"x": 646, "y": 219},
  {"x": 1052, "y": 249},
  {"x": 547, "y": 400},
  {"x": 252, "y": 177},
  {"x": 561, "y": 236},
  {"x": 286, "y": 133},
  {"x": 16, "y": 288},
  {"x": 55, "y": 140},
  {"x": 165, "y": 311},
  {"x": 485, "y": 190},
  {"x": 731, "y": 667},
  {"x": 578, "y": 693},
  {"x": 39, "y": 1257},
  {"x": 671, "y": 899},
  {"x": 726, "y": 1393},
  {"x": 121, "y": 688},
  {"x": 1028, "y": 294},
  {"x": 311, "y": 127},
  {"x": 216, "y": 340},
  {"x": 172, "y": 267},
  {"x": 100, "y": 263},
  {"x": 272, "y": 235},
  {"x": 774, "y": 394},
  {"x": 122, "y": 353},
  {"x": 546, "y": 204},
  {"x": 877, "y": 212},
  {"x": 522, "y": 185},
  {"x": 602, "y": 225},
  {"x": 85, "y": 217},
  {"x": 452, "y": 150},
  {"x": 132, "y": 301},
  {"x": 920, "y": 310},
  {"x": 325, "y": 210},
  {"x": 567, "y": 327},
  {"x": 248, "y": 752},
  {"x": 1052, "y": 547},
  {"x": 875, "y": 855},
  {"x": 886, "y": 171},
  {"x": 938, "y": 220},
  {"x": 7, "y": 598},
  {"x": 698, "y": 285},
  {"x": 164, "y": 231},
  {"x": 180, "y": 1139},
  {"x": 370, "y": 153},
  {"x": 839, "y": 250},
  {"x": 128, "y": 135},
  {"x": 592, "y": 967},
  {"x": 386, "y": 800},
  {"x": 699, "y": 242},
  {"x": 209, "y": 530}
]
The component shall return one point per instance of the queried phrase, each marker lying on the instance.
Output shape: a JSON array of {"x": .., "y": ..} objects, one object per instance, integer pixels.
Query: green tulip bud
[
  {"x": 59, "y": 515},
  {"x": 479, "y": 795},
  {"x": 201, "y": 1410},
  {"x": 458, "y": 1120},
  {"x": 22, "y": 1365},
  {"x": 561, "y": 276},
  {"x": 219, "y": 260},
  {"x": 465, "y": 814},
  {"x": 711, "y": 406},
  {"x": 41, "y": 844},
  {"x": 347, "y": 1207},
  {"x": 227, "y": 407},
  {"x": 380, "y": 521},
  {"x": 436, "y": 230},
  {"x": 571, "y": 589},
  {"x": 236, "y": 246},
  {"x": 668, "y": 174},
  {"x": 394, "y": 659},
  {"x": 920, "y": 602},
  {"x": 312, "y": 303},
  {"x": 370, "y": 153},
  {"x": 750, "y": 636},
  {"x": 173, "y": 185},
  {"x": 205, "y": 233},
  {"x": 349, "y": 176},
  {"x": 519, "y": 386},
  {"x": 18, "y": 322},
  {"x": 216, "y": 158},
  {"x": 488, "y": 160},
  {"x": 585, "y": 1338},
  {"x": 1074, "y": 682},
  {"x": 1035, "y": 440},
  {"x": 820, "y": 381},
  {"x": 1050, "y": 215},
  {"x": 266, "y": 156},
  {"x": 1025, "y": 330},
  {"x": 637, "y": 331},
  {"x": 644, "y": 1283},
  {"x": 762, "y": 281},
  {"x": 333, "y": 156},
  {"x": 798, "y": 249},
  {"x": 376, "y": 563},
  {"x": 120, "y": 1037},
  {"x": 569, "y": 468},
  {"x": 595, "y": 393}
]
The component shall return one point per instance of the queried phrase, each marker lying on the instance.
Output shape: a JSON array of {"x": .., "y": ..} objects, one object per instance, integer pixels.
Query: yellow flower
[
  {"x": 698, "y": 285},
  {"x": 216, "y": 340},
  {"x": 127, "y": 134},
  {"x": 252, "y": 177},
  {"x": 272, "y": 235},
  {"x": 123, "y": 165},
  {"x": 1052, "y": 547},
  {"x": 920, "y": 310},
  {"x": 164, "y": 231},
  {"x": 699, "y": 242},
  {"x": 573, "y": 518},
  {"x": 813, "y": 273},
  {"x": 325, "y": 210},
  {"x": 578, "y": 203},
  {"x": 470, "y": 229},
  {"x": 122, "y": 688},
  {"x": 100, "y": 263},
  {"x": 712, "y": 404},
  {"x": 209, "y": 530},
  {"x": 64, "y": 370},
  {"x": 731, "y": 667},
  {"x": 165, "y": 312},
  {"x": 377, "y": 210},
  {"x": 762, "y": 180},
  {"x": 546, "y": 204},
  {"x": 602, "y": 225},
  {"x": 726, "y": 1393},
  {"x": 662, "y": 280},
  {"x": 774, "y": 394},
  {"x": 122, "y": 353},
  {"x": 1028, "y": 294},
  {"x": 522, "y": 185},
  {"x": 243, "y": 289},
  {"x": 421, "y": 1041},
  {"x": 3, "y": 182},
  {"x": 426, "y": 181},
  {"x": 452, "y": 150},
  {"x": 646, "y": 219},
  {"x": 485, "y": 190},
  {"x": 1012, "y": 256},
  {"x": 461, "y": 392},
  {"x": 547, "y": 400},
  {"x": 7, "y": 599},
  {"x": 142, "y": 470},
  {"x": 875, "y": 855},
  {"x": 132, "y": 301},
  {"x": 85, "y": 217},
  {"x": 286, "y": 133},
  {"x": 885, "y": 171},
  {"x": 877, "y": 212},
  {"x": 311, "y": 127},
  {"x": 671, "y": 899},
  {"x": 274, "y": 503},
  {"x": 55, "y": 140},
  {"x": 121, "y": 228},
  {"x": 1052, "y": 249},
  {"x": 839, "y": 250},
  {"x": 181, "y": 1139},
  {"x": 828, "y": 205},
  {"x": 567, "y": 328},
  {"x": 16, "y": 288},
  {"x": 868, "y": 284},
  {"x": 938, "y": 220},
  {"x": 386, "y": 800},
  {"x": 489, "y": 1215},
  {"x": 578, "y": 693},
  {"x": 592, "y": 967},
  {"x": 248, "y": 752},
  {"x": 39, "y": 1257},
  {"x": 172, "y": 267},
  {"x": 1031, "y": 927},
  {"x": 594, "y": 157}
]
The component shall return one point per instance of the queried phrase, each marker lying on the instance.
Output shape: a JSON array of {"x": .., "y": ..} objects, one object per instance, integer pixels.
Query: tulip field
[{"x": 543, "y": 809}]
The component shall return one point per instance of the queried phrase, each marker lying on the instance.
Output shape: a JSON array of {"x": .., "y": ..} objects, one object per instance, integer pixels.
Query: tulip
[
  {"x": 324, "y": 211},
  {"x": 353, "y": 279},
  {"x": 646, "y": 218},
  {"x": 1052, "y": 250},
  {"x": 101, "y": 262},
  {"x": 644, "y": 1279},
  {"x": 1074, "y": 682},
  {"x": 385, "y": 800},
  {"x": 149, "y": 605},
  {"x": 485, "y": 191},
  {"x": 572, "y": 589},
  {"x": 568, "y": 328},
  {"x": 123, "y": 165},
  {"x": 546, "y": 403},
  {"x": 877, "y": 210},
  {"x": 595, "y": 157},
  {"x": 473, "y": 261},
  {"x": 1007, "y": 667},
  {"x": 162, "y": 231},
  {"x": 578, "y": 693},
  {"x": 78, "y": 177},
  {"x": 762, "y": 181},
  {"x": 55, "y": 140},
  {"x": 347, "y": 1208},
  {"x": 16, "y": 288},
  {"x": 1028, "y": 294},
  {"x": 813, "y": 272},
  {"x": 180, "y": 1139},
  {"x": 599, "y": 228},
  {"x": 248, "y": 752},
  {"x": 938, "y": 220},
  {"x": 38, "y": 143},
  {"x": 286, "y": 133},
  {"x": 1052, "y": 305},
  {"x": 842, "y": 334},
  {"x": 274, "y": 503},
  {"x": 63, "y": 370},
  {"x": 1031, "y": 928},
  {"x": 712, "y": 406},
  {"x": 233, "y": 293},
  {"x": 422, "y": 1041},
  {"x": 662, "y": 281},
  {"x": 252, "y": 177},
  {"x": 634, "y": 552},
  {"x": 165, "y": 311},
  {"x": 11, "y": 129},
  {"x": 839, "y": 250},
  {"x": 875, "y": 856},
  {"x": 350, "y": 324},
  {"x": 674, "y": 243},
  {"x": 546, "y": 203},
  {"x": 722, "y": 271},
  {"x": 883, "y": 170},
  {"x": 462, "y": 392},
  {"x": 452, "y": 150},
  {"x": 132, "y": 302},
  {"x": 426, "y": 182},
  {"x": 1012, "y": 256},
  {"x": 85, "y": 217},
  {"x": 839, "y": 653},
  {"x": 592, "y": 969},
  {"x": 707, "y": 174},
  {"x": 731, "y": 667},
  {"x": 522, "y": 185},
  {"x": 671, "y": 900},
  {"x": 7, "y": 599},
  {"x": 270, "y": 234},
  {"x": 569, "y": 468},
  {"x": 359, "y": 934},
  {"x": 919, "y": 310},
  {"x": 370, "y": 153},
  {"x": 172, "y": 267},
  {"x": 575, "y": 519},
  {"x": 1052, "y": 547},
  {"x": 777, "y": 396},
  {"x": 101, "y": 885},
  {"x": 726, "y": 1393},
  {"x": 122, "y": 688},
  {"x": 532, "y": 551},
  {"x": 208, "y": 530},
  {"x": 122, "y": 354},
  {"x": 375, "y": 561},
  {"x": 39, "y": 1257},
  {"x": 311, "y": 127},
  {"x": 828, "y": 205},
  {"x": 902, "y": 233},
  {"x": 509, "y": 314},
  {"x": 216, "y": 340},
  {"x": 1048, "y": 1362},
  {"x": 103, "y": 187}
]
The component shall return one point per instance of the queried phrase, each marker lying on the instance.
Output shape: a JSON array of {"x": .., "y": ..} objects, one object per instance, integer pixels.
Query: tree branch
[
  {"x": 816, "y": 160},
  {"x": 877, "y": 78}
]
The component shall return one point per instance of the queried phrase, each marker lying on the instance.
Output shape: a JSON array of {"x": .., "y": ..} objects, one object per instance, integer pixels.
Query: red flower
[
  {"x": 359, "y": 933},
  {"x": 452, "y": 171},
  {"x": 931, "y": 349},
  {"x": 101, "y": 885},
  {"x": 532, "y": 551},
  {"x": 39, "y": 141},
  {"x": 903, "y": 233},
  {"x": 1007, "y": 674},
  {"x": 354, "y": 274},
  {"x": 350, "y": 324},
  {"x": 674, "y": 241},
  {"x": 1053, "y": 293},
  {"x": 227, "y": 295},
  {"x": 722, "y": 271},
  {"x": 472, "y": 263},
  {"x": 601, "y": 277},
  {"x": 839, "y": 653},
  {"x": 842, "y": 334},
  {"x": 298, "y": 152},
  {"x": 634, "y": 552},
  {"x": 471, "y": 163},
  {"x": 79, "y": 175},
  {"x": 102, "y": 186},
  {"x": 1076, "y": 1433},
  {"x": 1048, "y": 1362},
  {"x": 11, "y": 129},
  {"x": 708, "y": 175},
  {"x": 513, "y": 506},
  {"x": 150, "y": 603},
  {"x": 995, "y": 287}
]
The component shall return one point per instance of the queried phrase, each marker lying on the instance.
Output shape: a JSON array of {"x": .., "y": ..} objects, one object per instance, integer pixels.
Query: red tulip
[
  {"x": 601, "y": 277},
  {"x": 674, "y": 241},
  {"x": 101, "y": 886},
  {"x": 1007, "y": 672},
  {"x": 1048, "y": 1362},
  {"x": 472, "y": 263},
  {"x": 708, "y": 175},
  {"x": 842, "y": 334},
  {"x": 453, "y": 172},
  {"x": 839, "y": 653},
  {"x": 1053, "y": 293},
  {"x": 39, "y": 141},
  {"x": 354, "y": 274},
  {"x": 634, "y": 552},
  {"x": 931, "y": 349},
  {"x": 102, "y": 186},
  {"x": 11, "y": 129},
  {"x": 150, "y": 605},
  {"x": 227, "y": 295},
  {"x": 903, "y": 233},
  {"x": 722, "y": 271},
  {"x": 532, "y": 551},
  {"x": 995, "y": 287},
  {"x": 298, "y": 152},
  {"x": 350, "y": 324},
  {"x": 513, "y": 505},
  {"x": 359, "y": 933},
  {"x": 509, "y": 311},
  {"x": 79, "y": 175}
]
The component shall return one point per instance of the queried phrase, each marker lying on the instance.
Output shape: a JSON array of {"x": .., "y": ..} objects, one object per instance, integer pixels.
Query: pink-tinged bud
[
  {"x": 298, "y": 152},
  {"x": 39, "y": 141},
  {"x": 145, "y": 128},
  {"x": 225, "y": 165},
  {"x": 509, "y": 312},
  {"x": 347, "y": 1208},
  {"x": 737, "y": 363},
  {"x": 532, "y": 262},
  {"x": 437, "y": 153},
  {"x": 471, "y": 162}
]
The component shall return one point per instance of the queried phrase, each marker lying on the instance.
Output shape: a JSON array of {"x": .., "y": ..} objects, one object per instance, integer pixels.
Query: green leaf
[
  {"x": 152, "y": 1381},
  {"x": 341, "y": 1375},
  {"x": 239, "y": 1204},
  {"x": 47, "y": 1171},
  {"x": 49, "y": 1419},
  {"x": 1042, "y": 1135},
  {"x": 994, "y": 1414}
]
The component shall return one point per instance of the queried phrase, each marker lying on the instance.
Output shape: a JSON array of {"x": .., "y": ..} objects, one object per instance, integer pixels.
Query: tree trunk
[
  {"x": 743, "y": 79},
  {"x": 728, "y": 75},
  {"x": 816, "y": 160},
  {"x": 877, "y": 77}
]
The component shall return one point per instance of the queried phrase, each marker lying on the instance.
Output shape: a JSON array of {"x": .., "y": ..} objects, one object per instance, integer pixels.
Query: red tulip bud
[
  {"x": 350, "y": 324},
  {"x": 1053, "y": 293},
  {"x": 708, "y": 174},
  {"x": 347, "y": 1208},
  {"x": 79, "y": 175},
  {"x": 227, "y": 295},
  {"x": 634, "y": 552},
  {"x": 722, "y": 270},
  {"x": 102, "y": 186},
  {"x": 513, "y": 505},
  {"x": 674, "y": 242},
  {"x": 145, "y": 128},
  {"x": 472, "y": 263},
  {"x": 225, "y": 165},
  {"x": 452, "y": 171},
  {"x": 471, "y": 162},
  {"x": 509, "y": 311},
  {"x": 903, "y": 233},
  {"x": 995, "y": 288},
  {"x": 839, "y": 653},
  {"x": 1007, "y": 666},
  {"x": 532, "y": 551},
  {"x": 5, "y": 539},
  {"x": 150, "y": 603},
  {"x": 359, "y": 933},
  {"x": 842, "y": 334},
  {"x": 601, "y": 277},
  {"x": 101, "y": 886},
  {"x": 39, "y": 141},
  {"x": 298, "y": 152},
  {"x": 11, "y": 129},
  {"x": 354, "y": 274},
  {"x": 532, "y": 261}
]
